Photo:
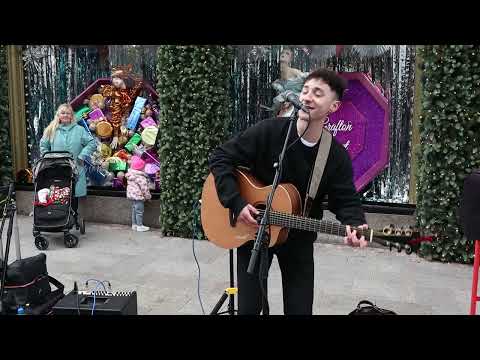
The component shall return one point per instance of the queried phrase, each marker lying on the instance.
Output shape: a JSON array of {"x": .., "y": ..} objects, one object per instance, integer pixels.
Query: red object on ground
[
  {"x": 476, "y": 263},
  {"x": 419, "y": 240}
]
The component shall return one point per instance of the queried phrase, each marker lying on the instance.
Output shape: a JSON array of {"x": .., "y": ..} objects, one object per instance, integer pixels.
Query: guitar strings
[
  {"x": 303, "y": 223},
  {"x": 315, "y": 225}
]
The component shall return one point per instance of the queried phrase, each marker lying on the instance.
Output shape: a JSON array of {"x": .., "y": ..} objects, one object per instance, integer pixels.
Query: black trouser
[
  {"x": 75, "y": 204},
  {"x": 74, "y": 200},
  {"x": 295, "y": 258}
]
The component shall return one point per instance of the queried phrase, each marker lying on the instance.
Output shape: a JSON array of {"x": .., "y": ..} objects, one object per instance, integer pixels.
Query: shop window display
[{"x": 122, "y": 114}]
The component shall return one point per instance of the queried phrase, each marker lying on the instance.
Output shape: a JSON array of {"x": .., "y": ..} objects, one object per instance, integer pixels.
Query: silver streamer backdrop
[{"x": 57, "y": 74}]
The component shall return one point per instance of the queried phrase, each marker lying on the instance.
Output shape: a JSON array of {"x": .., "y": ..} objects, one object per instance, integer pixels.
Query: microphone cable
[
  {"x": 194, "y": 225},
  {"x": 303, "y": 133}
]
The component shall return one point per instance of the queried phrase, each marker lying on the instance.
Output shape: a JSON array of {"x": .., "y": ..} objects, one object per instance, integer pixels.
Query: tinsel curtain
[
  {"x": 253, "y": 71},
  {"x": 142, "y": 57},
  {"x": 5, "y": 149}
]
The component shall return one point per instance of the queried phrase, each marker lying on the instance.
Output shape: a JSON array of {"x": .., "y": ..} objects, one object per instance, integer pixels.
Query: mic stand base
[
  {"x": 229, "y": 292},
  {"x": 8, "y": 212}
]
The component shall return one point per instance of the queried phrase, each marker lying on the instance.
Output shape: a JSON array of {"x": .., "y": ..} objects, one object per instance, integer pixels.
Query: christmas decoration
[{"x": 110, "y": 110}]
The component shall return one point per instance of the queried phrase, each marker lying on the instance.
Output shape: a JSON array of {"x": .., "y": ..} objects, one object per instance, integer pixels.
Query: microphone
[{"x": 295, "y": 101}]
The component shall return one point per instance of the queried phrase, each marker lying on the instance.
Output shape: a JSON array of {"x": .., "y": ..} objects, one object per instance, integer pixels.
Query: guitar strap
[{"x": 317, "y": 173}]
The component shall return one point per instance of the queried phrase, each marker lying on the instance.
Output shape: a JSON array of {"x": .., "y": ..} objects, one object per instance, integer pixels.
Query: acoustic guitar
[{"x": 285, "y": 214}]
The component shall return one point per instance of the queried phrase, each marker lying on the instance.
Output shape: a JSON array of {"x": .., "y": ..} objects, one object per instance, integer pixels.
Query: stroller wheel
[
  {"x": 70, "y": 240},
  {"x": 82, "y": 226},
  {"x": 41, "y": 243}
]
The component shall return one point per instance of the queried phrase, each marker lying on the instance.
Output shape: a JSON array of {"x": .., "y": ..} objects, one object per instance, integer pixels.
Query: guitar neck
[{"x": 313, "y": 225}]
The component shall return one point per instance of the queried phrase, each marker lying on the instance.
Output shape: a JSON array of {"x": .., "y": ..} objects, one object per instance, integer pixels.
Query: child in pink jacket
[{"x": 138, "y": 192}]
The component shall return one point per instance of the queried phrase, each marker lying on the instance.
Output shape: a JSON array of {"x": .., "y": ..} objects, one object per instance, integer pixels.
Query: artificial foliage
[
  {"x": 194, "y": 99},
  {"x": 5, "y": 148},
  {"x": 449, "y": 145}
]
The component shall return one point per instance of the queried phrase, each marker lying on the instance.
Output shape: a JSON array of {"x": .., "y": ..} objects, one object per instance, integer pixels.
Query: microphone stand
[
  {"x": 9, "y": 211},
  {"x": 262, "y": 240}
]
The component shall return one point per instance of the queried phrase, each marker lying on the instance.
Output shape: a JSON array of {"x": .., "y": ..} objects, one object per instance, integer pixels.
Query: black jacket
[{"x": 258, "y": 148}]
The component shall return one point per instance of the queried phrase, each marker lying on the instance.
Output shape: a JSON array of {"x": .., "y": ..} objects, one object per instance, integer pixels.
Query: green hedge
[
  {"x": 449, "y": 145},
  {"x": 193, "y": 88},
  {"x": 5, "y": 149}
]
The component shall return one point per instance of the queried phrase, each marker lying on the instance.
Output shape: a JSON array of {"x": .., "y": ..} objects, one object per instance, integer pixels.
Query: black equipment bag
[
  {"x": 27, "y": 282},
  {"x": 365, "y": 307}
]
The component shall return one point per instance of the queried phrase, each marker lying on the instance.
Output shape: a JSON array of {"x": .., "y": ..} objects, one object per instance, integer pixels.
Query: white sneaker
[
  {"x": 134, "y": 227},
  {"x": 142, "y": 228}
]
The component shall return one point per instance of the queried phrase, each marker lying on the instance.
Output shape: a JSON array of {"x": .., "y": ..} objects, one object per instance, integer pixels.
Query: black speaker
[
  {"x": 119, "y": 303},
  {"x": 470, "y": 206}
]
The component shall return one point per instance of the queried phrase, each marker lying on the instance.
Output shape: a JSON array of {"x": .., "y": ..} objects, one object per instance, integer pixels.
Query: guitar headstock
[
  {"x": 398, "y": 237},
  {"x": 406, "y": 238}
]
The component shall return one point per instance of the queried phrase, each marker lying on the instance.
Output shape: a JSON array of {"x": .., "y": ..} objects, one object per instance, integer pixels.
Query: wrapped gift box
[
  {"x": 79, "y": 113},
  {"x": 148, "y": 122},
  {"x": 96, "y": 114},
  {"x": 134, "y": 140},
  {"x": 117, "y": 165},
  {"x": 135, "y": 114},
  {"x": 122, "y": 154},
  {"x": 149, "y": 135}
]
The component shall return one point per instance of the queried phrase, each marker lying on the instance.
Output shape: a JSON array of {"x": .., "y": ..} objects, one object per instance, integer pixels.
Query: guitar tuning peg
[
  {"x": 389, "y": 245},
  {"x": 387, "y": 230},
  {"x": 408, "y": 231},
  {"x": 399, "y": 247},
  {"x": 408, "y": 249},
  {"x": 398, "y": 231}
]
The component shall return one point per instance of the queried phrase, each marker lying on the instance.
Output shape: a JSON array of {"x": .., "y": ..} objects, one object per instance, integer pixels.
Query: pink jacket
[{"x": 137, "y": 185}]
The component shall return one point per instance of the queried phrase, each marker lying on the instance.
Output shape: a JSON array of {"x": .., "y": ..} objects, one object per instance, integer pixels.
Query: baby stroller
[{"x": 54, "y": 179}]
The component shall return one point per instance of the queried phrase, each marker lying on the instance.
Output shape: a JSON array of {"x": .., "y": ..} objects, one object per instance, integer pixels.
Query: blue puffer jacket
[{"x": 76, "y": 140}]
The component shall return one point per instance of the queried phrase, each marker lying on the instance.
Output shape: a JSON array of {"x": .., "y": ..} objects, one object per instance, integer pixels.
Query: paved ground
[{"x": 164, "y": 273}]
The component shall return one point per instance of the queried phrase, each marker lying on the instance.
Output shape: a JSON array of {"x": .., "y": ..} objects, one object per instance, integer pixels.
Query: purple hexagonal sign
[{"x": 361, "y": 125}]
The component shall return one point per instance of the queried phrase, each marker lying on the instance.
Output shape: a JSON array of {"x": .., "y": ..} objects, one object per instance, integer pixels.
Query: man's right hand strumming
[{"x": 247, "y": 215}]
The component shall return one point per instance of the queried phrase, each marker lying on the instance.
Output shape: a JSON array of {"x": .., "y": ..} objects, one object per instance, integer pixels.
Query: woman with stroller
[{"x": 64, "y": 134}]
